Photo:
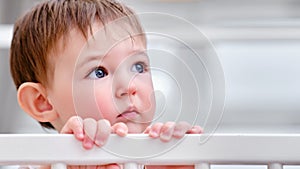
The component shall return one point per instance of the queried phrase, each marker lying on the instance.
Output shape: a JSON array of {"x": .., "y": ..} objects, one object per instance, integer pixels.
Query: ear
[{"x": 32, "y": 98}]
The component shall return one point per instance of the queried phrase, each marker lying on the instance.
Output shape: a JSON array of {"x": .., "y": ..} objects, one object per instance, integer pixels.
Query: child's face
[{"x": 103, "y": 81}]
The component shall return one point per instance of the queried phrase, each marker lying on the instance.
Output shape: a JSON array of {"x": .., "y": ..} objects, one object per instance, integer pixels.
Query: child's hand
[
  {"x": 92, "y": 132},
  {"x": 171, "y": 129},
  {"x": 109, "y": 166}
]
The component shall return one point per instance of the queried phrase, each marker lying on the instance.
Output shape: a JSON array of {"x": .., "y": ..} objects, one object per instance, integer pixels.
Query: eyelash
[
  {"x": 93, "y": 73},
  {"x": 145, "y": 66}
]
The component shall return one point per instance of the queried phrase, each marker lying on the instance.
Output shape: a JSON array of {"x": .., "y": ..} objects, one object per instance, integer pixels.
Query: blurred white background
[{"x": 257, "y": 42}]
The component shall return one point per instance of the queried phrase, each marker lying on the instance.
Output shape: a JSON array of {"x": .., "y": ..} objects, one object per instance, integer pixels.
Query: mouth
[{"x": 129, "y": 114}]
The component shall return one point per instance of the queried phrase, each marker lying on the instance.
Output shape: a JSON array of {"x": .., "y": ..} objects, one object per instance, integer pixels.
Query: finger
[
  {"x": 195, "y": 130},
  {"x": 103, "y": 132},
  {"x": 109, "y": 166},
  {"x": 166, "y": 131},
  {"x": 113, "y": 166},
  {"x": 147, "y": 130},
  {"x": 181, "y": 128},
  {"x": 74, "y": 126},
  {"x": 88, "y": 167},
  {"x": 90, "y": 129},
  {"x": 155, "y": 130},
  {"x": 120, "y": 129},
  {"x": 74, "y": 167}
]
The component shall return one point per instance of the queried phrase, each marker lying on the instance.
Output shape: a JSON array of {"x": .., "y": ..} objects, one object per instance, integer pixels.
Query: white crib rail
[{"x": 275, "y": 150}]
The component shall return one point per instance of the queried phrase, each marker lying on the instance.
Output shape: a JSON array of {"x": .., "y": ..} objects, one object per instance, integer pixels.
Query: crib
[
  {"x": 251, "y": 101},
  {"x": 274, "y": 150}
]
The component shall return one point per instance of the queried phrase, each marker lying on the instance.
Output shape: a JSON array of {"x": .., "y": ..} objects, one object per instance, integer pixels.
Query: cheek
[
  {"x": 86, "y": 100},
  {"x": 147, "y": 95},
  {"x": 94, "y": 100},
  {"x": 149, "y": 90},
  {"x": 105, "y": 104},
  {"x": 61, "y": 98}
]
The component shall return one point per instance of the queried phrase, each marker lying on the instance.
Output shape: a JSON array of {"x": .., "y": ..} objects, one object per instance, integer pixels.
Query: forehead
[
  {"x": 113, "y": 51},
  {"x": 117, "y": 33},
  {"x": 114, "y": 32},
  {"x": 99, "y": 36},
  {"x": 74, "y": 46}
]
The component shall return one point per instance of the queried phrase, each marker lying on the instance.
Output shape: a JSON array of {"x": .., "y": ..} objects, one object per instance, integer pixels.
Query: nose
[{"x": 126, "y": 89}]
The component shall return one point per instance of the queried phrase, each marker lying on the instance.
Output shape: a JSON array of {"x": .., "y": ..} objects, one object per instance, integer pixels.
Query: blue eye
[
  {"x": 98, "y": 73},
  {"x": 138, "y": 67}
]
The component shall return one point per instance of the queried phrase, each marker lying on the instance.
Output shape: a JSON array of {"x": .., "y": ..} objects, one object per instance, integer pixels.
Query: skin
[{"x": 118, "y": 92}]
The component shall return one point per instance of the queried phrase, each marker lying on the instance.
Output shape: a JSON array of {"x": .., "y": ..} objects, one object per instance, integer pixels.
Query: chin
[{"x": 134, "y": 128}]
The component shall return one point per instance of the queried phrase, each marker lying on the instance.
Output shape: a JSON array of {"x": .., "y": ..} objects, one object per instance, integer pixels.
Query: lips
[{"x": 129, "y": 114}]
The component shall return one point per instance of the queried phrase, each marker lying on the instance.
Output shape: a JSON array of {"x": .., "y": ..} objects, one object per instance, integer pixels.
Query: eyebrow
[
  {"x": 97, "y": 57},
  {"x": 138, "y": 52},
  {"x": 89, "y": 58}
]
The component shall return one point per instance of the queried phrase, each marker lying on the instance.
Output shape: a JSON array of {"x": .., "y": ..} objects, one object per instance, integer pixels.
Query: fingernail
[
  {"x": 178, "y": 133},
  {"x": 165, "y": 136},
  {"x": 99, "y": 143},
  {"x": 121, "y": 131},
  {"x": 88, "y": 145},
  {"x": 195, "y": 131},
  {"x": 153, "y": 134},
  {"x": 80, "y": 135}
]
